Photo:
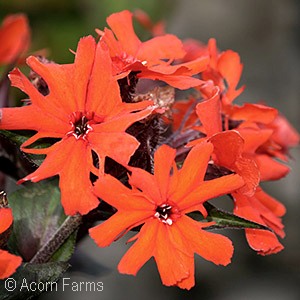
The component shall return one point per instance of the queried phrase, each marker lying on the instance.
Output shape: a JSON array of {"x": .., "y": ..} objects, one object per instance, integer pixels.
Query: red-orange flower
[
  {"x": 229, "y": 152},
  {"x": 265, "y": 210},
  {"x": 84, "y": 110},
  {"x": 8, "y": 262},
  {"x": 155, "y": 29},
  {"x": 249, "y": 150},
  {"x": 14, "y": 38},
  {"x": 183, "y": 108},
  {"x": 229, "y": 146},
  {"x": 225, "y": 70},
  {"x": 161, "y": 202},
  {"x": 189, "y": 112},
  {"x": 194, "y": 49},
  {"x": 257, "y": 125},
  {"x": 267, "y": 135},
  {"x": 151, "y": 59},
  {"x": 284, "y": 135}
]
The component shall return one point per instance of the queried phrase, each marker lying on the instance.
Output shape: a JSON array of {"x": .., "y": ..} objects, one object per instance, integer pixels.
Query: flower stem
[{"x": 57, "y": 239}]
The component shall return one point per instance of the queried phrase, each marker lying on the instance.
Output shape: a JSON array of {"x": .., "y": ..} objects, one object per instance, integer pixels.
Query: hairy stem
[{"x": 58, "y": 238}]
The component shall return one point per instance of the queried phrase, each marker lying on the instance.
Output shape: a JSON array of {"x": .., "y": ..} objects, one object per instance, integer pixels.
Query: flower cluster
[{"x": 120, "y": 135}]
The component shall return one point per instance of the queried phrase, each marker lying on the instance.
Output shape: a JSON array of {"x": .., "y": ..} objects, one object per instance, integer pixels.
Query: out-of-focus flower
[
  {"x": 14, "y": 38},
  {"x": 155, "y": 29}
]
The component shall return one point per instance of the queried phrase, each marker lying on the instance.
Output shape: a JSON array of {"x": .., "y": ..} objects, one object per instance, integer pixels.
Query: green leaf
[
  {"x": 38, "y": 214},
  {"x": 31, "y": 280},
  {"x": 225, "y": 219},
  {"x": 17, "y": 138}
]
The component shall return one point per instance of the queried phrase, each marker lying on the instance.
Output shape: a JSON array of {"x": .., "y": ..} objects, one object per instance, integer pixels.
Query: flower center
[
  {"x": 81, "y": 124},
  {"x": 167, "y": 213}
]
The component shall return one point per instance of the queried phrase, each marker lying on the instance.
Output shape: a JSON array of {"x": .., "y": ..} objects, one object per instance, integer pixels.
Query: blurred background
[{"x": 266, "y": 35}]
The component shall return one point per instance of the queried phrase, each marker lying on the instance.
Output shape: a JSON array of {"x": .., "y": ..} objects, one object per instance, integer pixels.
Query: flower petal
[
  {"x": 228, "y": 150},
  {"x": 103, "y": 93},
  {"x": 8, "y": 263},
  {"x": 119, "y": 146},
  {"x": 254, "y": 113},
  {"x": 146, "y": 182},
  {"x": 75, "y": 185},
  {"x": 181, "y": 82},
  {"x": 211, "y": 246},
  {"x": 271, "y": 203},
  {"x": 230, "y": 68},
  {"x": 119, "y": 196},
  {"x": 228, "y": 147},
  {"x": 59, "y": 82},
  {"x": 118, "y": 224},
  {"x": 284, "y": 134},
  {"x": 18, "y": 79},
  {"x": 6, "y": 219},
  {"x": 71, "y": 160},
  {"x": 121, "y": 25},
  {"x": 192, "y": 172},
  {"x": 263, "y": 241},
  {"x": 188, "y": 282},
  {"x": 267, "y": 216},
  {"x": 254, "y": 138},
  {"x": 248, "y": 169},
  {"x": 84, "y": 60},
  {"x": 122, "y": 122},
  {"x": 210, "y": 189},
  {"x": 269, "y": 168},
  {"x": 161, "y": 47},
  {"x": 172, "y": 264},
  {"x": 163, "y": 160},
  {"x": 209, "y": 113},
  {"x": 14, "y": 38},
  {"x": 141, "y": 251},
  {"x": 53, "y": 163},
  {"x": 115, "y": 47},
  {"x": 32, "y": 118}
]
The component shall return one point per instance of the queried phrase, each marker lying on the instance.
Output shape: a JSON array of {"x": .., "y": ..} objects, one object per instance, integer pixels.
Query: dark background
[{"x": 266, "y": 35}]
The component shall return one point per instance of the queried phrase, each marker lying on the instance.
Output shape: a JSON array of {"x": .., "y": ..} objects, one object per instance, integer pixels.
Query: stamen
[
  {"x": 165, "y": 213},
  {"x": 81, "y": 127},
  {"x": 81, "y": 124}
]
